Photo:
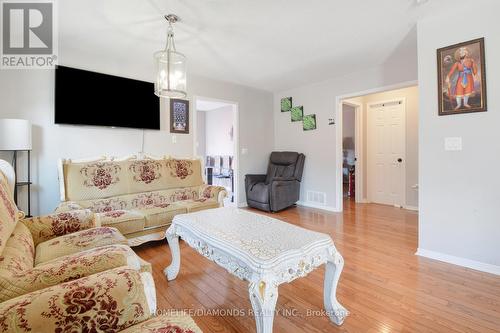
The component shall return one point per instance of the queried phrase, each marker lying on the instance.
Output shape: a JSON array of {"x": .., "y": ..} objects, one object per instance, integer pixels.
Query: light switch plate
[
  {"x": 453, "y": 144},
  {"x": 244, "y": 151},
  {"x": 174, "y": 138}
]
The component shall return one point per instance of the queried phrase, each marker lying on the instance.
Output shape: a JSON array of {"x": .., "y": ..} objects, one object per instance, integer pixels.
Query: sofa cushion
[
  {"x": 126, "y": 221},
  {"x": 174, "y": 322},
  {"x": 183, "y": 173},
  {"x": 162, "y": 214},
  {"x": 8, "y": 212},
  {"x": 146, "y": 175},
  {"x": 259, "y": 192},
  {"x": 94, "y": 180},
  {"x": 198, "y": 204},
  {"x": 77, "y": 242}
]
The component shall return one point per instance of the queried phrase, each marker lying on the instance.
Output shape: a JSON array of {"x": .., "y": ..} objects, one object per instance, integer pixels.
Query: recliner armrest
[{"x": 254, "y": 179}]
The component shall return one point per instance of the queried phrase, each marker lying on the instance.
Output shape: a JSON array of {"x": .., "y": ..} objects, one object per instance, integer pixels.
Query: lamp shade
[{"x": 15, "y": 134}]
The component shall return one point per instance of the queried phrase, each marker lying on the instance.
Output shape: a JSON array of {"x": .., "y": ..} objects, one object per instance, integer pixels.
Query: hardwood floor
[{"x": 384, "y": 285}]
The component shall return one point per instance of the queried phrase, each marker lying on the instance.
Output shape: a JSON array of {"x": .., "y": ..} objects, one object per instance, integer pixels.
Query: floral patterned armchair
[
  {"x": 138, "y": 196},
  {"x": 118, "y": 300},
  {"x": 61, "y": 273}
]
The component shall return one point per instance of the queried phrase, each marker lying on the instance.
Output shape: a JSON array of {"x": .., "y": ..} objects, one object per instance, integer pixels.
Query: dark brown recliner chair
[{"x": 280, "y": 188}]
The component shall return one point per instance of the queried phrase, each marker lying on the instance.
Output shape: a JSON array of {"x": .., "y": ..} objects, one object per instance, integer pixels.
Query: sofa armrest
[
  {"x": 106, "y": 302},
  {"x": 217, "y": 193},
  {"x": 67, "y": 206},
  {"x": 43, "y": 228},
  {"x": 67, "y": 268}
]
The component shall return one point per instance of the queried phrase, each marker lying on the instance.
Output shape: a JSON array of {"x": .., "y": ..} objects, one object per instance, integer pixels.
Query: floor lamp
[{"x": 15, "y": 136}]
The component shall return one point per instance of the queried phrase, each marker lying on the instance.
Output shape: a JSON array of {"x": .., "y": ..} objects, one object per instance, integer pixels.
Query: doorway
[
  {"x": 217, "y": 145},
  {"x": 384, "y": 169},
  {"x": 351, "y": 152}
]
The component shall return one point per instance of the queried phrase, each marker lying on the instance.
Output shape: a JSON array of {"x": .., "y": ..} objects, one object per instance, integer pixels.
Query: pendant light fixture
[{"x": 170, "y": 66}]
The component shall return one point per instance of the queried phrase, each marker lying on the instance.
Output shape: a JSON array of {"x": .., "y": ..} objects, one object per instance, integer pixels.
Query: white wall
[
  {"x": 319, "y": 145},
  {"x": 30, "y": 95},
  {"x": 219, "y": 123},
  {"x": 201, "y": 146},
  {"x": 459, "y": 191}
]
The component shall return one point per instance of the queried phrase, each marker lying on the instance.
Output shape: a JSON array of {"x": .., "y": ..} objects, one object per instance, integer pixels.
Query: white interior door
[{"x": 386, "y": 147}]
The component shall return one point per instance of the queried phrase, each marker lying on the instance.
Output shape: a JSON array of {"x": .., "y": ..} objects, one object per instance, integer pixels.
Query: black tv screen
[{"x": 89, "y": 98}]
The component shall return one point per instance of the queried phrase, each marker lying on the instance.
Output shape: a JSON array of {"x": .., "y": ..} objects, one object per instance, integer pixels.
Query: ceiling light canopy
[{"x": 170, "y": 66}]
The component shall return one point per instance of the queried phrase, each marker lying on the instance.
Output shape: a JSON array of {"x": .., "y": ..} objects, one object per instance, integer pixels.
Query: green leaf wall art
[
  {"x": 309, "y": 122},
  {"x": 286, "y": 104},
  {"x": 297, "y": 113}
]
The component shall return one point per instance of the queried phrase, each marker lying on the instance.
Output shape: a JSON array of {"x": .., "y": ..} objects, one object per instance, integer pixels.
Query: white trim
[
  {"x": 338, "y": 137},
  {"x": 369, "y": 129},
  {"x": 242, "y": 205},
  {"x": 413, "y": 208},
  {"x": 148, "y": 284},
  {"x": 236, "y": 138},
  {"x": 313, "y": 205},
  {"x": 473, "y": 264}
]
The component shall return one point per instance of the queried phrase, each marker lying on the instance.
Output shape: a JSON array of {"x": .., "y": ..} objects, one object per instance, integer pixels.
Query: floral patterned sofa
[
  {"x": 61, "y": 273},
  {"x": 138, "y": 196}
]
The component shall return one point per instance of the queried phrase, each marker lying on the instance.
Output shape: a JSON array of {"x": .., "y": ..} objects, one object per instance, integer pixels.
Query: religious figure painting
[{"x": 462, "y": 78}]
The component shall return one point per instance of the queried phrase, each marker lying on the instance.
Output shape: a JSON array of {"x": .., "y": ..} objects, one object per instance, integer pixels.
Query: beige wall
[{"x": 411, "y": 96}]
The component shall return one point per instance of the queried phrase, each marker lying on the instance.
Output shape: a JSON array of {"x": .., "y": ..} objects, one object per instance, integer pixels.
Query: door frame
[
  {"x": 369, "y": 153},
  {"x": 236, "y": 139},
  {"x": 338, "y": 137},
  {"x": 358, "y": 149}
]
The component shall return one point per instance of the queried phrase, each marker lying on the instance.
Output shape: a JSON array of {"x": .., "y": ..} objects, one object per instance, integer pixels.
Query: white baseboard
[
  {"x": 242, "y": 205},
  {"x": 414, "y": 208},
  {"x": 477, "y": 265},
  {"x": 313, "y": 205}
]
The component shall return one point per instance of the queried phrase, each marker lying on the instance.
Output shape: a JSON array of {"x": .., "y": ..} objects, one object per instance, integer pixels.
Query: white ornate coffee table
[{"x": 264, "y": 251}]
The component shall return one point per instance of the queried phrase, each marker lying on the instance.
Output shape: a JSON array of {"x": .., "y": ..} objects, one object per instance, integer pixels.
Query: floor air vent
[{"x": 316, "y": 197}]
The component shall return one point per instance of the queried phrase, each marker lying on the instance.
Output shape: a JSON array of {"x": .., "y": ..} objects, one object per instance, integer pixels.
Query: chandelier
[{"x": 170, "y": 66}]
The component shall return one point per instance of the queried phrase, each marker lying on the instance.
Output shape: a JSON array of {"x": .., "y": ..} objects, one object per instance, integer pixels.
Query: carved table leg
[
  {"x": 263, "y": 297},
  {"x": 173, "y": 241},
  {"x": 335, "y": 310}
]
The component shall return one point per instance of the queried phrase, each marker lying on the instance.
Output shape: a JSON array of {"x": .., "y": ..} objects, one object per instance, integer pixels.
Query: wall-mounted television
[{"x": 90, "y": 98}]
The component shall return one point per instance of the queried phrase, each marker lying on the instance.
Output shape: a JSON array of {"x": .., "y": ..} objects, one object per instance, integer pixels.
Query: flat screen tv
[{"x": 89, "y": 98}]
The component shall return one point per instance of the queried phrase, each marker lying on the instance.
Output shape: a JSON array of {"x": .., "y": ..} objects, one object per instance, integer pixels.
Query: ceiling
[{"x": 271, "y": 45}]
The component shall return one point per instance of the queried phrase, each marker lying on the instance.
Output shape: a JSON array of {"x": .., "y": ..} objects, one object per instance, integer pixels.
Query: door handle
[{"x": 400, "y": 160}]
